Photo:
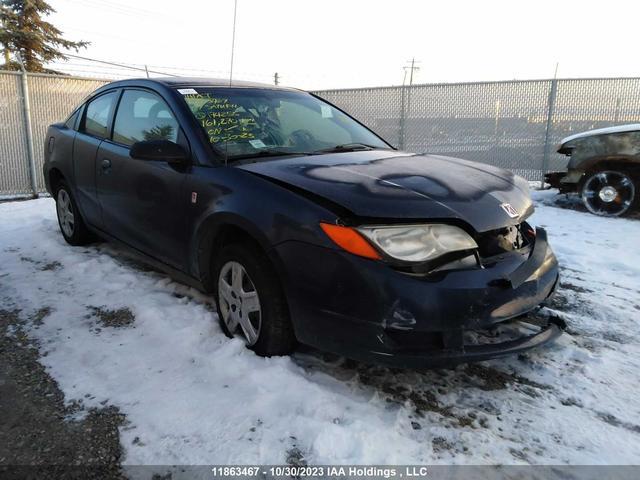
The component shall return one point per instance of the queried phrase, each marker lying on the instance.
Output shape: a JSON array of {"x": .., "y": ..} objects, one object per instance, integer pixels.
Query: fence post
[
  {"x": 402, "y": 117},
  {"x": 551, "y": 102},
  {"x": 29, "y": 132}
]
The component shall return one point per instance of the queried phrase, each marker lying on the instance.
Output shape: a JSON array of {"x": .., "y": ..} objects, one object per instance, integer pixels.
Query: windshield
[{"x": 256, "y": 122}]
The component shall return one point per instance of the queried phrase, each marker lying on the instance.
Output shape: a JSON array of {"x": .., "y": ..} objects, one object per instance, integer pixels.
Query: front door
[{"x": 143, "y": 203}]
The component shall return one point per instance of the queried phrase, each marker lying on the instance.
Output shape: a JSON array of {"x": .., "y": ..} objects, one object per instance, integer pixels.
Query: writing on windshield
[
  {"x": 245, "y": 122},
  {"x": 221, "y": 118}
]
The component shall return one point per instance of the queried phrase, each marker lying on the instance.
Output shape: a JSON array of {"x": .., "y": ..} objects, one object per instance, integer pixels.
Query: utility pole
[
  {"x": 404, "y": 110},
  {"x": 551, "y": 102},
  {"x": 276, "y": 79},
  {"x": 412, "y": 68}
]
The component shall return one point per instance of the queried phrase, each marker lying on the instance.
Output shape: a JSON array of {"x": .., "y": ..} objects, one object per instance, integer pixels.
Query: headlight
[{"x": 418, "y": 243}]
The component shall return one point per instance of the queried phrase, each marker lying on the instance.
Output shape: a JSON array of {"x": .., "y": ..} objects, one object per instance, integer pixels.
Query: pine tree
[{"x": 24, "y": 31}]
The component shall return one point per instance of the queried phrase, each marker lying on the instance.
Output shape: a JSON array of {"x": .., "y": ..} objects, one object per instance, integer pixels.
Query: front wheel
[
  {"x": 250, "y": 300},
  {"x": 609, "y": 193}
]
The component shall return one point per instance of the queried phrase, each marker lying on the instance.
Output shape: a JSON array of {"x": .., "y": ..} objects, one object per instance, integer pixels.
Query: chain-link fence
[
  {"x": 514, "y": 124},
  {"x": 50, "y": 99}
]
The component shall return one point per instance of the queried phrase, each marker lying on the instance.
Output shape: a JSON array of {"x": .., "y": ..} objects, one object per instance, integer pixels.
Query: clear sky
[{"x": 317, "y": 44}]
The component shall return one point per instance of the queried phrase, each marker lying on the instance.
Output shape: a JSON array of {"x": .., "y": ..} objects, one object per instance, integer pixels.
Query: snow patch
[{"x": 193, "y": 396}]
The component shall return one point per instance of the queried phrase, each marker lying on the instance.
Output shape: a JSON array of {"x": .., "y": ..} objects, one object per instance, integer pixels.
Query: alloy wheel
[
  {"x": 65, "y": 212},
  {"x": 608, "y": 193},
  {"x": 239, "y": 301}
]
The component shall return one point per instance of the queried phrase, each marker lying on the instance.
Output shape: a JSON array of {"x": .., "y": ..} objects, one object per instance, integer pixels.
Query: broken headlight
[{"x": 418, "y": 243}]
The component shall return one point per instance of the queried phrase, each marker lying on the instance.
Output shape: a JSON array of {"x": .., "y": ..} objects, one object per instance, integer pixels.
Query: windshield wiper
[
  {"x": 347, "y": 147},
  {"x": 270, "y": 152}
]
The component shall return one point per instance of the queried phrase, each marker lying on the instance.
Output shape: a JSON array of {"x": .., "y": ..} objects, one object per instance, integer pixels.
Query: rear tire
[
  {"x": 250, "y": 300},
  {"x": 70, "y": 221},
  {"x": 609, "y": 192}
]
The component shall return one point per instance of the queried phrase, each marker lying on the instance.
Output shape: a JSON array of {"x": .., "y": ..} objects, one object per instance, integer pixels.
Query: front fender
[
  {"x": 270, "y": 215},
  {"x": 204, "y": 241}
]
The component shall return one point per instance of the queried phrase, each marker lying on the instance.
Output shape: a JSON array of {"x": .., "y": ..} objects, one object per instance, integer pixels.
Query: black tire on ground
[
  {"x": 625, "y": 183},
  {"x": 79, "y": 234},
  {"x": 275, "y": 334}
]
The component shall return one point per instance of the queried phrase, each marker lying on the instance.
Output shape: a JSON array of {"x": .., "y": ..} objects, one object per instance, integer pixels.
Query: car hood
[{"x": 382, "y": 184}]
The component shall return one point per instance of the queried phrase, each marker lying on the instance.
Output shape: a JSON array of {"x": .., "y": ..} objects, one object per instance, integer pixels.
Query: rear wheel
[
  {"x": 609, "y": 193},
  {"x": 250, "y": 300},
  {"x": 72, "y": 226}
]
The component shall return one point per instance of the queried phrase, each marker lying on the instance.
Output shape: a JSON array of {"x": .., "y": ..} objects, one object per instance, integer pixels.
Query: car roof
[
  {"x": 602, "y": 131},
  {"x": 176, "y": 82}
]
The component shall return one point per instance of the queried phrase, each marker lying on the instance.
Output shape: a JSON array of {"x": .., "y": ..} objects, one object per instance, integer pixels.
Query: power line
[
  {"x": 82, "y": 64},
  {"x": 82, "y": 32},
  {"x": 83, "y": 72},
  {"x": 123, "y": 6},
  {"x": 62, "y": 63},
  {"x": 189, "y": 69},
  {"x": 118, "y": 8},
  {"x": 118, "y": 65}
]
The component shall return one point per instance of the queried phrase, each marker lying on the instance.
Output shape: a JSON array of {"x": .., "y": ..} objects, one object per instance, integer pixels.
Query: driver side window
[{"x": 142, "y": 116}]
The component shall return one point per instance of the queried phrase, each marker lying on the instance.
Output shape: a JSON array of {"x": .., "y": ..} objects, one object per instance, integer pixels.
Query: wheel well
[
  {"x": 619, "y": 164},
  {"x": 216, "y": 239},
  {"x": 228, "y": 234},
  {"x": 55, "y": 177}
]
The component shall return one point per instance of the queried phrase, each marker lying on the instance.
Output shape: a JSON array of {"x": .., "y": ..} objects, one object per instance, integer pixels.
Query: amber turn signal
[{"x": 350, "y": 240}]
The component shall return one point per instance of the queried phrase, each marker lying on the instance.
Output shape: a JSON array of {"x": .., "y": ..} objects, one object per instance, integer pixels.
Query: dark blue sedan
[{"x": 304, "y": 224}]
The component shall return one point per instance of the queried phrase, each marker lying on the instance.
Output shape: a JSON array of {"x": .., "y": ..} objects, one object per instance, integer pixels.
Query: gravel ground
[{"x": 37, "y": 431}]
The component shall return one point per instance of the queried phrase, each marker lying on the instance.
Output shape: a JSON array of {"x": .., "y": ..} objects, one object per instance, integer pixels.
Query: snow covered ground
[{"x": 113, "y": 332}]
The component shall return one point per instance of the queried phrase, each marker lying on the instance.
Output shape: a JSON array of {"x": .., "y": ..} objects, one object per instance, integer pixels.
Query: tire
[
  {"x": 272, "y": 333},
  {"x": 70, "y": 221},
  {"x": 610, "y": 192}
]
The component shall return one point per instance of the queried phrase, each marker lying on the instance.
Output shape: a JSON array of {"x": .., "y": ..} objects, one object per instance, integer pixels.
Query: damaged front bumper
[
  {"x": 367, "y": 311},
  {"x": 512, "y": 337}
]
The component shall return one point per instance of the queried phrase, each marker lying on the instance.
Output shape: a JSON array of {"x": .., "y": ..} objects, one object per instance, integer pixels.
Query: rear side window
[
  {"x": 96, "y": 121},
  {"x": 142, "y": 116}
]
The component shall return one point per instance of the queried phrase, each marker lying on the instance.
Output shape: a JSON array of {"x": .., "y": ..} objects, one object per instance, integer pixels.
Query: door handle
[{"x": 106, "y": 165}]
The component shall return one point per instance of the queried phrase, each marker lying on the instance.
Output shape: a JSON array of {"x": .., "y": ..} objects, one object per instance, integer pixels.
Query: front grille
[{"x": 502, "y": 240}]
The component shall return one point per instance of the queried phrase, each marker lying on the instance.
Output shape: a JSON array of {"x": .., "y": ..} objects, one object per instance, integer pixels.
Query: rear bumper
[{"x": 365, "y": 310}]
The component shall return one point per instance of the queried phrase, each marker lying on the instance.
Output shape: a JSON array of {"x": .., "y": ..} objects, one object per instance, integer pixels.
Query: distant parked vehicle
[{"x": 604, "y": 169}]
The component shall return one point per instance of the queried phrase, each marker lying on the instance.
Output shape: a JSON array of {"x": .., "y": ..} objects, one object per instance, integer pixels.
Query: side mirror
[{"x": 159, "y": 150}]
